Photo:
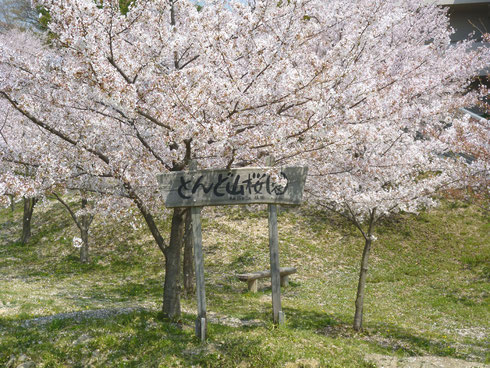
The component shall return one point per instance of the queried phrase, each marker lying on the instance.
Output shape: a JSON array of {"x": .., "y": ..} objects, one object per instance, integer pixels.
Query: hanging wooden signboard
[
  {"x": 197, "y": 188},
  {"x": 234, "y": 186}
]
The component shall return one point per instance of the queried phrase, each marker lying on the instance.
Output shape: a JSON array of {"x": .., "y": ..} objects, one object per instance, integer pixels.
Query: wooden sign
[{"x": 234, "y": 186}]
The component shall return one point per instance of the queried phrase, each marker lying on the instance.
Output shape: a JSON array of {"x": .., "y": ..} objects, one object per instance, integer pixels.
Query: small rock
[
  {"x": 29, "y": 364},
  {"x": 303, "y": 363},
  {"x": 383, "y": 361},
  {"x": 81, "y": 339},
  {"x": 22, "y": 358}
]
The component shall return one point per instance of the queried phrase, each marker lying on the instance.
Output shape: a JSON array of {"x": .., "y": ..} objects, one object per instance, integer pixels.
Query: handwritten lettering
[
  {"x": 234, "y": 185},
  {"x": 182, "y": 187}
]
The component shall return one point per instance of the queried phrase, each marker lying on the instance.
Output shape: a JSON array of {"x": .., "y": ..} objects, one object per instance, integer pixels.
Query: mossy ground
[{"x": 427, "y": 291}]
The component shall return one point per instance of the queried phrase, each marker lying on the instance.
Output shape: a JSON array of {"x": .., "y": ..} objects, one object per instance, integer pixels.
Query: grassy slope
[{"x": 427, "y": 291}]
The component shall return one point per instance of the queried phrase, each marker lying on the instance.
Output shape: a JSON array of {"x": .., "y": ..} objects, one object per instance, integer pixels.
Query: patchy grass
[{"x": 427, "y": 291}]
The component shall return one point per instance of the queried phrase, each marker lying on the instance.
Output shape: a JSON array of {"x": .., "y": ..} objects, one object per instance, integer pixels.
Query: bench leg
[
  {"x": 252, "y": 285},
  {"x": 285, "y": 280}
]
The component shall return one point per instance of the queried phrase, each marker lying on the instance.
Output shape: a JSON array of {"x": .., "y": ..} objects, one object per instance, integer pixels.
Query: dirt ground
[{"x": 383, "y": 361}]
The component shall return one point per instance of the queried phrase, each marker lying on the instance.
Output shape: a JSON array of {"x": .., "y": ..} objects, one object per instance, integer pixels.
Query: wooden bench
[{"x": 252, "y": 277}]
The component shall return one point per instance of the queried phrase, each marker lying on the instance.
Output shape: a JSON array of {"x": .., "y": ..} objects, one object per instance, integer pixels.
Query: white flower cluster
[{"x": 77, "y": 242}]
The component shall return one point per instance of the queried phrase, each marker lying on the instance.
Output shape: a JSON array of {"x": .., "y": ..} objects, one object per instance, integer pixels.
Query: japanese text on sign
[{"x": 236, "y": 186}]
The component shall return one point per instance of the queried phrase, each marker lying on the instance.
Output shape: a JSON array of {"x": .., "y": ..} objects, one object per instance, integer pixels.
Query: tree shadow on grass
[
  {"x": 134, "y": 339},
  {"x": 382, "y": 337},
  {"x": 309, "y": 320}
]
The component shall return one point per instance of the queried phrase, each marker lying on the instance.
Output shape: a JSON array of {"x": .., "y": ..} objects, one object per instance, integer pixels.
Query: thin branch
[
  {"x": 149, "y": 148},
  {"x": 120, "y": 71},
  {"x": 256, "y": 77},
  {"x": 188, "y": 62},
  {"x": 153, "y": 120},
  {"x": 353, "y": 218},
  {"x": 72, "y": 214},
  {"x": 392, "y": 144}
]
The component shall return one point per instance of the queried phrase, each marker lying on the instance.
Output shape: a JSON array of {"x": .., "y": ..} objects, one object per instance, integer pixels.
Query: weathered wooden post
[
  {"x": 201, "y": 324},
  {"x": 277, "y": 313},
  {"x": 198, "y": 188}
]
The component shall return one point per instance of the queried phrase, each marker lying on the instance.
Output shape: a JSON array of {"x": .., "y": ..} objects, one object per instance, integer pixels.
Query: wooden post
[
  {"x": 253, "y": 285},
  {"x": 274, "y": 260},
  {"x": 201, "y": 324},
  {"x": 188, "y": 264}
]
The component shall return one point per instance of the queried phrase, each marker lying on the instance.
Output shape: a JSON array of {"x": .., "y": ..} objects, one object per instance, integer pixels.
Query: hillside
[{"x": 427, "y": 294}]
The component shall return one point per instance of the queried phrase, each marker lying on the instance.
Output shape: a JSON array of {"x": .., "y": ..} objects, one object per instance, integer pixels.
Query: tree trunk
[
  {"x": 12, "y": 203},
  {"x": 362, "y": 284},
  {"x": 84, "y": 248},
  {"x": 85, "y": 221},
  {"x": 188, "y": 267},
  {"x": 29, "y": 204},
  {"x": 171, "y": 289}
]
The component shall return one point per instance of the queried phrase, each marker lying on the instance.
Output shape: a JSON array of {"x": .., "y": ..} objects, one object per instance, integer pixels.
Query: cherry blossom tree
[
  {"x": 133, "y": 95},
  {"x": 395, "y": 147},
  {"x": 469, "y": 140},
  {"x": 83, "y": 219},
  {"x": 126, "y": 96},
  {"x": 33, "y": 165}
]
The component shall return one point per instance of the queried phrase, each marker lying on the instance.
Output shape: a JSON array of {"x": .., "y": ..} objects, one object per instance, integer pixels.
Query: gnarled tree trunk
[
  {"x": 172, "y": 252},
  {"x": 171, "y": 289},
  {"x": 29, "y": 204},
  {"x": 171, "y": 292}
]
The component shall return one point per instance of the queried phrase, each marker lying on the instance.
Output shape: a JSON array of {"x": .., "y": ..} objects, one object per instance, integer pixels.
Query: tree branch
[
  {"x": 72, "y": 214},
  {"x": 52, "y": 130}
]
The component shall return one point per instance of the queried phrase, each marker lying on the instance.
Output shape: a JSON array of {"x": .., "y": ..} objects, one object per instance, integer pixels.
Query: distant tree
[
  {"x": 29, "y": 203},
  {"x": 17, "y": 170}
]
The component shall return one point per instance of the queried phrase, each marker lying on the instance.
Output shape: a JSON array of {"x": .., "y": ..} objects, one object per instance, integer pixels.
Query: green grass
[{"x": 427, "y": 291}]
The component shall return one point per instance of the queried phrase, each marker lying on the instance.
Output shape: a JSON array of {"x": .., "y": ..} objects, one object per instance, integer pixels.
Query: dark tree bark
[
  {"x": 171, "y": 289},
  {"x": 84, "y": 258},
  {"x": 29, "y": 204},
  {"x": 188, "y": 266},
  {"x": 84, "y": 224},
  {"x": 361, "y": 286},
  {"x": 12, "y": 203}
]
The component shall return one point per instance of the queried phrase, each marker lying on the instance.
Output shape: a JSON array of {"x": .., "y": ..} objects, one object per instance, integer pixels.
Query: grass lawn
[{"x": 427, "y": 292}]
